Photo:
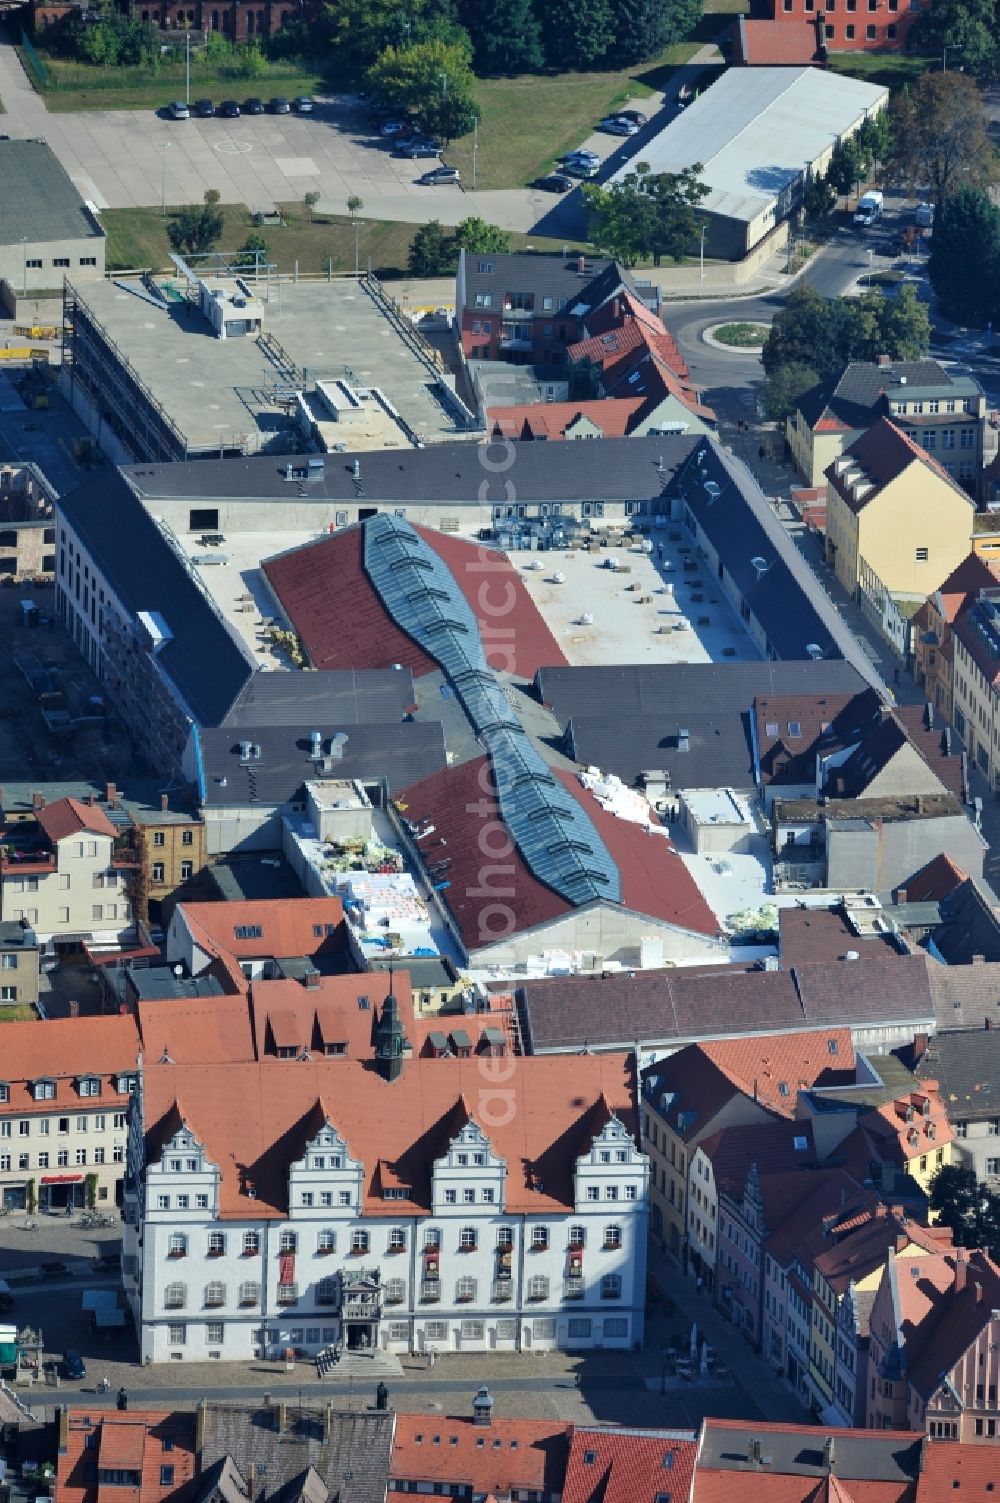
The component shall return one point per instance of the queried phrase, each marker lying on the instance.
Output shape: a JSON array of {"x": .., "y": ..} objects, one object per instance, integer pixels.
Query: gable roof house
[
  {"x": 897, "y": 524},
  {"x": 934, "y": 1333},
  {"x": 933, "y": 646},
  {"x": 942, "y": 410}
]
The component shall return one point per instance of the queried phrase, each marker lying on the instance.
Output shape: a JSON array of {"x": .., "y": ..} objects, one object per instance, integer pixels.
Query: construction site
[{"x": 230, "y": 362}]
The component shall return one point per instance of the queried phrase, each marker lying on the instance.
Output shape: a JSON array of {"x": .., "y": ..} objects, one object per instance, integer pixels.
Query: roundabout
[{"x": 737, "y": 338}]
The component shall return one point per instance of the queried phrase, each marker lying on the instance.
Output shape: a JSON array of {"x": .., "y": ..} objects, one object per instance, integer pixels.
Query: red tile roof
[
  {"x": 912, "y": 1125},
  {"x": 67, "y": 816},
  {"x": 288, "y": 926},
  {"x": 654, "y": 880},
  {"x": 768, "y": 43},
  {"x": 339, "y": 616},
  {"x": 199, "y": 1030},
  {"x": 63, "y": 1049},
  {"x": 935, "y": 881},
  {"x": 972, "y": 575},
  {"x": 267, "y": 1113},
  {"x": 760, "y": 1067},
  {"x": 628, "y": 1466},
  {"x": 953, "y": 1468},
  {"x": 507, "y": 1455},
  {"x": 143, "y": 1440},
  {"x": 549, "y": 420}
]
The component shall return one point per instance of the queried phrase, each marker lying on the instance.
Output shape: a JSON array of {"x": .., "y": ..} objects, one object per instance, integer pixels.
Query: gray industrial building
[
  {"x": 759, "y": 135},
  {"x": 47, "y": 231}
]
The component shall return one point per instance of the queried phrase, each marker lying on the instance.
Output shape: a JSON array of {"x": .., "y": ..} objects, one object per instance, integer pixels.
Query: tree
[
  {"x": 253, "y": 252},
  {"x": 968, "y": 28},
  {"x": 940, "y": 139},
  {"x": 849, "y": 165},
  {"x": 506, "y": 36},
  {"x": 812, "y": 338},
  {"x": 430, "y": 80},
  {"x": 964, "y": 265},
  {"x": 645, "y": 27},
  {"x": 211, "y": 197},
  {"x": 475, "y": 234},
  {"x": 820, "y": 198},
  {"x": 432, "y": 252},
  {"x": 969, "y": 1208},
  {"x": 875, "y": 137},
  {"x": 359, "y": 30},
  {"x": 311, "y": 199},
  {"x": 647, "y": 213},
  {"x": 195, "y": 229},
  {"x": 577, "y": 33}
]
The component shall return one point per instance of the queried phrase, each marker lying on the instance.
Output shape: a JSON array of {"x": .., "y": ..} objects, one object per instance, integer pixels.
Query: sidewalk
[{"x": 753, "y": 1373}]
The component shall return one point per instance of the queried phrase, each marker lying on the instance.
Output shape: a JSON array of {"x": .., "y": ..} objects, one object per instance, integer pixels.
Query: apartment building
[
  {"x": 932, "y": 642},
  {"x": 18, "y": 963},
  {"x": 976, "y": 679},
  {"x": 393, "y": 1204},
  {"x": 66, "y": 873},
  {"x": 967, "y": 1068},
  {"x": 65, "y": 1088}
]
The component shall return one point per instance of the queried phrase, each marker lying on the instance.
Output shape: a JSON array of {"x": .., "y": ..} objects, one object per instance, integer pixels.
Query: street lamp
[
  {"x": 444, "y": 85},
  {"x": 187, "y": 68},
  {"x": 164, "y": 147},
  {"x": 475, "y": 150},
  {"x": 24, "y": 265},
  {"x": 870, "y": 255},
  {"x": 701, "y": 262}
]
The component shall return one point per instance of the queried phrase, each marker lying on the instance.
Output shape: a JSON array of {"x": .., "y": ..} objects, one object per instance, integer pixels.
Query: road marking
[{"x": 233, "y": 148}]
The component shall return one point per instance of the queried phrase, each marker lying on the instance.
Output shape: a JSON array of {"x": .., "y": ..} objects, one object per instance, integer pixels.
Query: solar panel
[{"x": 554, "y": 834}]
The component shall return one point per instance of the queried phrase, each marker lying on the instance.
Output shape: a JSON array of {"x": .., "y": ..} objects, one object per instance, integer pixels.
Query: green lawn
[
  {"x": 17, "y": 1012},
  {"x": 78, "y": 86},
  {"x": 890, "y": 69},
  {"x": 137, "y": 238}
]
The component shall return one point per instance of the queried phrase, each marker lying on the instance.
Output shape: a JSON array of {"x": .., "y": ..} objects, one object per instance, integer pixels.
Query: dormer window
[
  {"x": 44, "y": 1089},
  {"x": 249, "y": 931},
  {"x": 89, "y": 1085},
  {"x": 125, "y": 1084},
  {"x": 4, "y": 1090}
]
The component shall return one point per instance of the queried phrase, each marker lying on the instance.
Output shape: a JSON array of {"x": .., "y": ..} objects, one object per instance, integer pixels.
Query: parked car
[
  {"x": 279, "y": 105},
  {"x": 555, "y": 182},
  {"x": 303, "y": 105},
  {"x": 440, "y": 174},
  {"x": 179, "y": 110},
  {"x": 229, "y": 109},
  {"x": 582, "y": 156},
  {"x": 414, "y": 149},
  {"x": 394, "y": 127},
  {"x": 575, "y": 167},
  {"x": 636, "y": 116},
  {"x": 204, "y": 109},
  {"x": 253, "y": 106},
  {"x": 74, "y": 1366},
  {"x": 617, "y": 125}
]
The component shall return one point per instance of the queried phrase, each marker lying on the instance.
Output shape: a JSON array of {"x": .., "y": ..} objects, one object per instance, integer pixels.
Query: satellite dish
[{"x": 178, "y": 970}]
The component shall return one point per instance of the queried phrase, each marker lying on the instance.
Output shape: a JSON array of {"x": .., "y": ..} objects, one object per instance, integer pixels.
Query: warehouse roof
[
  {"x": 347, "y": 696},
  {"x": 202, "y": 658},
  {"x": 39, "y": 202},
  {"x": 642, "y": 689},
  {"x": 754, "y": 129}
]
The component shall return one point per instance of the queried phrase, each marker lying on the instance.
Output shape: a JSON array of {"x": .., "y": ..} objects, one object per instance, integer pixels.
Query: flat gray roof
[
  {"x": 38, "y": 203},
  {"x": 215, "y": 389},
  {"x": 754, "y": 130}
]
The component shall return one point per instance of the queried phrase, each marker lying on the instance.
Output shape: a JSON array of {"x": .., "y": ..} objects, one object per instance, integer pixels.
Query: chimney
[
  {"x": 979, "y": 960},
  {"x": 902, "y": 896},
  {"x": 920, "y": 1041},
  {"x": 38, "y": 800},
  {"x": 110, "y": 794},
  {"x": 581, "y": 264},
  {"x": 310, "y": 980},
  {"x": 683, "y": 739},
  {"x": 63, "y": 1413},
  {"x": 961, "y": 1270},
  {"x": 977, "y": 1290},
  {"x": 482, "y": 1407},
  {"x": 281, "y": 1416},
  {"x": 199, "y": 1428},
  {"x": 884, "y": 361},
  {"x": 251, "y": 1481},
  {"x": 829, "y": 1452},
  {"x": 987, "y": 1024},
  {"x": 91, "y": 798},
  {"x": 327, "y": 1423},
  {"x": 74, "y": 1008},
  {"x": 164, "y": 802}
]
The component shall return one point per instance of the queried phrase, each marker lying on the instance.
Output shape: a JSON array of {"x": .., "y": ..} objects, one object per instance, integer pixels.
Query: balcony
[{"x": 16, "y": 860}]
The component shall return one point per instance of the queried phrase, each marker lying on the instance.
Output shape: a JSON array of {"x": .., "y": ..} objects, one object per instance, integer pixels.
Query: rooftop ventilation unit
[
  {"x": 712, "y": 490},
  {"x": 249, "y": 751}
]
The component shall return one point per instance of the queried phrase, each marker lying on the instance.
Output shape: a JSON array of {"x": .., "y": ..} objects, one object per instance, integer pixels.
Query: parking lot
[{"x": 129, "y": 159}]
